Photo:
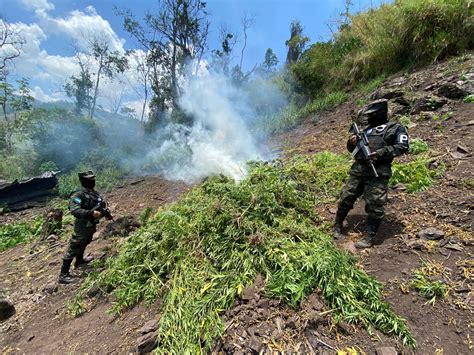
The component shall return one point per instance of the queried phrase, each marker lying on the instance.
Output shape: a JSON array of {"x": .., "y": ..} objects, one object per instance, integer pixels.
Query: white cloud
[
  {"x": 38, "y": 5},
  {"x": 40, "y": 95},
  {"x": 81, "y": 26}
]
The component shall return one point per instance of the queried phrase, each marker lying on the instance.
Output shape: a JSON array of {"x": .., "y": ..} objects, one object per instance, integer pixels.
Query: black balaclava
[
  {"x": 377, "y": 118},
  {"x": 88, "y": 183}
]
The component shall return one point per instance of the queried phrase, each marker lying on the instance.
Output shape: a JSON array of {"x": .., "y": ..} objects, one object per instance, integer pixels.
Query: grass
[
  {"x": 292, "y": 114},
  {"x": 19, "y": 233},
  {"x": 469, "y": 99},
  {"x": 198, "y": 254}
]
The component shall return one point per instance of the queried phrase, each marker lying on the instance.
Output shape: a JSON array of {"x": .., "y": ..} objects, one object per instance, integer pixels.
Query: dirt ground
[{"x": 43, "y": 324}]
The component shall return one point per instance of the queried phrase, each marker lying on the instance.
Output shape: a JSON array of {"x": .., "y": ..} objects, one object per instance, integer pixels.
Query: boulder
[
  {"x": 452, "y": 91},
  {"x": 7, "y": 309},
  {"x": 428, "y": 103},
  {"x": 146, "y": 343},
  {"x": 150, "y": 326},
  {"x": 386, "y": 94}
]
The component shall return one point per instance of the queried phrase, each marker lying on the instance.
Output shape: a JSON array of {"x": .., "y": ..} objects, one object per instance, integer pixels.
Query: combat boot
[
  {"x": 65, "y": 277},
  {"x": 340, "y": 217},
  {"x": 369, "y": 238}
]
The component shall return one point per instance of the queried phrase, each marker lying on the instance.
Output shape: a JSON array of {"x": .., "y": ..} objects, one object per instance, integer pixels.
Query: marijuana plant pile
[{"x": 199, "y": 254}]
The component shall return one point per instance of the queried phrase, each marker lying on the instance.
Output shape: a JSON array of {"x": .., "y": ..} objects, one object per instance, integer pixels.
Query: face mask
[
  {"x": 376, "y": 120},
  {"x": 88, "y": 184}
]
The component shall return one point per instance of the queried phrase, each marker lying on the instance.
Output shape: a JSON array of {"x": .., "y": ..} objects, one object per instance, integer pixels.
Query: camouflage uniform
[
  {"x": 81, "y": 204},
  {"x": 387, "y": 140}
]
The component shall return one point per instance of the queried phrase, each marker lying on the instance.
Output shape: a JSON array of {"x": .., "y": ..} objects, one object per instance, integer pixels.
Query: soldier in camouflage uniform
[
  {"x": 81, "y": 205},
  {"x": 386, "y": 141}
]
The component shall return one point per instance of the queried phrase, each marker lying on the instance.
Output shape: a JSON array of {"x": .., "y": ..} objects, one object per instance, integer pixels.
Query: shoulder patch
[{"x": 77, "y": 200}]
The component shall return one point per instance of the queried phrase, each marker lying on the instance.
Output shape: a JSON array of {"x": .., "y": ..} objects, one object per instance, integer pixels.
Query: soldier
[
  {"x": 82, "y": 206},
  {"x": 386, "y": 141}
]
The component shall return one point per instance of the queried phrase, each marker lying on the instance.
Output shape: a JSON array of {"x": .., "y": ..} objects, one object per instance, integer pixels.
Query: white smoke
[{"x": 218, "y": 142}]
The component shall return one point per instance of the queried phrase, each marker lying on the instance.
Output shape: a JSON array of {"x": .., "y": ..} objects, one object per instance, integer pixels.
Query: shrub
[{"x": 19, "y": 233}]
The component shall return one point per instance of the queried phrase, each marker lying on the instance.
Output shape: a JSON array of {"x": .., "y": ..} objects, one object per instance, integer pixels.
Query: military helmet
[
  {"x": 379, "y": 107},
  {"x": 86, "y": 175}
]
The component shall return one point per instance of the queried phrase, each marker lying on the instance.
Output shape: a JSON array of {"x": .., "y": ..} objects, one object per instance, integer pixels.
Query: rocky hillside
[{"x": 423, "y": 255}]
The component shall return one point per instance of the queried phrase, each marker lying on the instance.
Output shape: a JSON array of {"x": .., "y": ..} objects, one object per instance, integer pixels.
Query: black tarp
[{"x": 23, "y": 194}]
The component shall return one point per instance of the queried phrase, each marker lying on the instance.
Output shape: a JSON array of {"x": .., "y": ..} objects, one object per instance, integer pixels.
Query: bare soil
[{"x": 43, "y": 323}]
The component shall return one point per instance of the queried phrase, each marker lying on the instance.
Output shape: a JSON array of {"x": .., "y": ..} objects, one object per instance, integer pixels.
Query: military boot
[
  {"x": 82, "y": 260},
  {"x": 340, "y": 217},
  {"x": 65, "y": 277},
  {"x": 369, "y": 238}
]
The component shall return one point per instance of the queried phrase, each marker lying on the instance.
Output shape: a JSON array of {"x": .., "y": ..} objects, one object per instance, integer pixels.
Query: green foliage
[
  {"x": 406, "y": 121},
  {"x": 292, "y": 114},
  {"x": 107, "y": 177},
  {"x": 199, "y": 253},
  {"x": 19, "y": 233},
  {"x": 469, "y": 99},
  {"x": 385, "y": 40},
  {"x": 418, "y": 146},
  {"x": 416, "y": 175},
  {"x": 145, "y": 215},
  {"x": 425, "y": 285}
]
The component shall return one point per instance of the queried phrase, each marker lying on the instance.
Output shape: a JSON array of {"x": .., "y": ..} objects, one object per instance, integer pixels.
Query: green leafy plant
[
  {"x": 418, "y": 146},
  {"x": 424, "y": 284},
  {"x": 19, "y": 233},
  {"x": 198, "y": 254},
  {"x": 416, "y": 175},
  {"x": 469, "y": 99}
]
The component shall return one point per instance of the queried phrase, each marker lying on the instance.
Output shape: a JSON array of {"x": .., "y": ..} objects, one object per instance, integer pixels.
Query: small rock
[
  {"x": 442, "y": 243},
  {"x": 452, "y": 91},
  {"x": 31, "y": 337},
  {"x": 50, "y": 288},
  {"x": 333, "y": 210},
  {"x": 462, "y": 149},
  {"x": 291, "y": 323},
  {"x": 149, "y": 327},
  {"x": 458, "y": 155},
  {"x": 386, "y": 350},
  {"x": 264, "y": 303},
  {"x": 2, "y": 211},
  {"x": 7, "y": 309},
  {"x": 416, "y": 244},
  {"x": 53, "y": 238},
  {"x": 462, "y": 289},
  {"x": 350, "y": 247},
  {"x": 146, "y": 343},
  {"x": 399, "y": 187},
  {"x": 431, "y": 234},
  {"x": 255, "y": 345},
  {"x": 454, "y": 246},
  {"x": 93, "y": 291},
  {"x": 248, "y": 293},
  {"x": 470, "y": 123}
]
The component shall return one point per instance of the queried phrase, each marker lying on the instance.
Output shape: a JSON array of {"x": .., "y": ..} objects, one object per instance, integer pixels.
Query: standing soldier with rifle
[
  {"x": 88, "y": 207},
  {"x": 373, "y": 149}
]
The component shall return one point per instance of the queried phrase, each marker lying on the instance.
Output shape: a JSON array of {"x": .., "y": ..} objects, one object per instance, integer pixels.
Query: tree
[
  {"x": 16, "y": 107},
  {"x": 295, "y": 44},
  {"x": 11, "y": 43},
  {"x": 79, "y": 87},
  {"x": 269, "y": 64},
  {"x": 109, "y": 63},
  {"x": 174, "y": 37}
]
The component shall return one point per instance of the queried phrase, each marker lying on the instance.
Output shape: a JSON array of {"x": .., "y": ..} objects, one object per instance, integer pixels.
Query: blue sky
[{"x": 52, "y": 27}]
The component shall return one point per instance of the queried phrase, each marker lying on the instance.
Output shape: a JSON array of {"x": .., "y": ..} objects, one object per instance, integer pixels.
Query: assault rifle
[
  {"x": 363, "y": 145},
  {"x": 104, "y": 210}
]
